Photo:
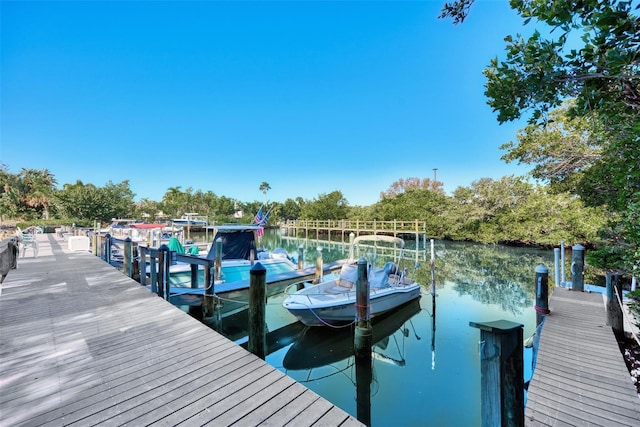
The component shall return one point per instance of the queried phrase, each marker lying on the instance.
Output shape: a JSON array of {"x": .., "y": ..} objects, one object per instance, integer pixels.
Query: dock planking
[
  {"x": 580, "y": 376},
  {"x": 82, "y": 344}
]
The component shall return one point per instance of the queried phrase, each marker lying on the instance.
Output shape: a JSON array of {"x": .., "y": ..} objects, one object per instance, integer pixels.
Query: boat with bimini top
[{"x": 333, "y": 301}]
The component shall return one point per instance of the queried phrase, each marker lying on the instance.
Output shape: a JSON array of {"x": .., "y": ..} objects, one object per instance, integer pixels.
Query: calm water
[{"x": 422, "y": 373}]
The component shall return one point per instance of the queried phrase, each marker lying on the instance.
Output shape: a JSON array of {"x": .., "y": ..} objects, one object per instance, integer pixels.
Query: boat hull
[{"x": 332, "y": 313}]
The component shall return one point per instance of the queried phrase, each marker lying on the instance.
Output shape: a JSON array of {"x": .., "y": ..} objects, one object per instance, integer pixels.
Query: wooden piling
[
  {"x": 107, "y": 248},
  {"x": 362, "y": 335},
  {"x": 364, "y": 377},
  {"x": 502, "y": 373},
  {"x": 163, "y": 254},
  {"x": 319, "y": 263},
  {"x": 577, "y": 268},
  {"x": 257, "y": 307},
  {"x": 542, "y": 293},
  {"x": 208, "y": 304},
  {"x": 142, "y": 264},
  {"x": 127, "y": 261},
  {"x": 613, "y": 293}
]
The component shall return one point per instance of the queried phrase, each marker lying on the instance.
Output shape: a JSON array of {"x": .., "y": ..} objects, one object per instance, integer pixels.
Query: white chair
[{"x": 29, "y": 241}]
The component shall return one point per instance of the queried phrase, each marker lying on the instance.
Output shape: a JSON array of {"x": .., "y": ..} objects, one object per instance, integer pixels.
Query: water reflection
[
  {"x": 319, "y": 351},
  {"x": 321, "y": 346},
  {"x": 409, "y": 384}
]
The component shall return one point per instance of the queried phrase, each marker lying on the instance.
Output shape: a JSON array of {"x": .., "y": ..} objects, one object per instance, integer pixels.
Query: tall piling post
[
  {"x": 542, "y": 293},
  {"x": 433, "y": 306},
  {"x": 210, "y": 308},
  {"x": 577, "y": 268},
  {"x": 319, "y": 264},
  {"x": 362, "y": 345},
  {"x": 208, "y": 303},
  {"x": 94, "y": 239},
  {"x": 352, "y": 238},
  {"x": 163, "y": 255},
  {"x": 502, "y": 373},
  {"x": 257, "y": 307},
  {"x": 128, "y": 259},
  {"x": 362, "y": 335},
  {"x": 107, "y": 248},
  {"x": 613, "y": 293},
  {"x": 563, "y": 277},
  {"x": 556, "y": 266}
]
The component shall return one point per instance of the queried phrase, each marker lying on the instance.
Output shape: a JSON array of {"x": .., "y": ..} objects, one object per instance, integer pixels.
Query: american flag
[{"x": 258, "y": 219}]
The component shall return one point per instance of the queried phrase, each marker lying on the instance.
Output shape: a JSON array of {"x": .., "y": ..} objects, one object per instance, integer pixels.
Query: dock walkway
[
  {"x": 82, "y": 344},
  {"x": 580, "y": 377}
]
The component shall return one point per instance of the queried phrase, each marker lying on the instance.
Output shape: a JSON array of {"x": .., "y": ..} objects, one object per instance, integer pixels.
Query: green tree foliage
[
  {"x": 327, "y": 206},
  {"x": 559, "y": 152},
  {"x": 590, "y": 55},
  {"x": 421, "y": 204},
  {"x": 27, "y": 194},
  {"x": 86, "y": 201},
  {"x": 9, "y": 194},
  {"x": 291, "y": 209},
  {"x": 511, "y": 210}
]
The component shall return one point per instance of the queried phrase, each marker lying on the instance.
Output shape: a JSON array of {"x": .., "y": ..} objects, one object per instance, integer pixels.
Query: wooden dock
[
  {"x": 580, "y": 378},
  {"x": 82, "y": 344}
]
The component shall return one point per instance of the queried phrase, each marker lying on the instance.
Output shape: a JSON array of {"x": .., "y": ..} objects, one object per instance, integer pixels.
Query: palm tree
[
  {"x": 40, "y": 187},
  {"x": 264, "y": 187}
]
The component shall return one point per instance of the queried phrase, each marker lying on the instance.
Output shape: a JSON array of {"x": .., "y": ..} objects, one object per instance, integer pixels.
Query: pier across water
[{"x": 83, "y": 344}]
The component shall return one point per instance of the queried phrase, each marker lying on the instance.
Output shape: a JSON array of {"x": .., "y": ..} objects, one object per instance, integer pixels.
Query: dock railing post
[
  {"x": 613, "y": 294},
  {"x": 257, "y": 306},
  {"x": 502, "y": 373},
  {"x": 163, "y": 255},
  {"x": 127, "y": 261},
  {"x": 577, "y": 268},
  {"x": 542, "y": 293},
  {"x": 107, "y": 248},
  {"x": 94, "y": 239},
  {"x": 142, "y": 264}
]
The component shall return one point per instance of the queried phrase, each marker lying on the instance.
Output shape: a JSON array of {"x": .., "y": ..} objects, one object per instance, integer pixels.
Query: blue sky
[{"x": 311, "y": 97}]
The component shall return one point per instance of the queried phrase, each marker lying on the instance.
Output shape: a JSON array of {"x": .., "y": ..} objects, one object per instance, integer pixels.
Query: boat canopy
[
  {"x": 379, "y": 238},
  {"x": 237, "y": 243}
]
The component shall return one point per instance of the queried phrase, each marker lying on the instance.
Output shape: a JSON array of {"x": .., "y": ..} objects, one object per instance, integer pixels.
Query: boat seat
[{"x": 344, "y": 283}]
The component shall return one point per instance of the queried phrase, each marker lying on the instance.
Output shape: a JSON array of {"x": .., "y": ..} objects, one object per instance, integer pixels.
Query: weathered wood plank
[
  {"x": 82, "y": 344},
  {"x": 580, "y": 376}
]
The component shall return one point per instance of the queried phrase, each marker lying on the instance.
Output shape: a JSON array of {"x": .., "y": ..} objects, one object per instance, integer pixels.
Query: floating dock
[{"x": 83, "y": 344}]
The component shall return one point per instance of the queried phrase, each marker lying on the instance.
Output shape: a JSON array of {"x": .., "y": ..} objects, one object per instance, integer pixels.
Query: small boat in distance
[
  {"x": 191, "y": 219},
  {"x": 333, "y": 301}
]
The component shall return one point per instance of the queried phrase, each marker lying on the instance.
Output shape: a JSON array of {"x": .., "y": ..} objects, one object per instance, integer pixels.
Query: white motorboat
[{"x": 333, "y": 301}]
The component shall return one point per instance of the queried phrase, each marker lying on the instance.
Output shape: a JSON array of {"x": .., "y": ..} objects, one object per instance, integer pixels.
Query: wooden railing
[{"x": 356, "y": 226}]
